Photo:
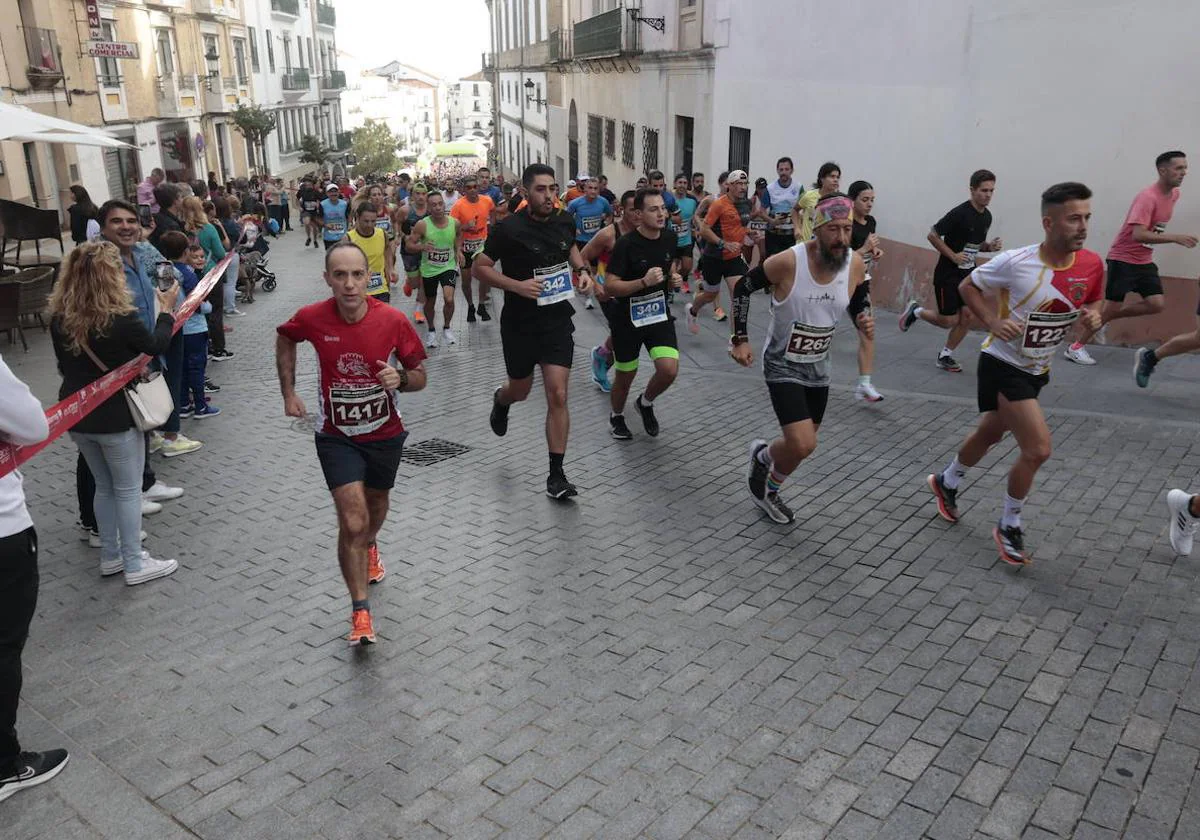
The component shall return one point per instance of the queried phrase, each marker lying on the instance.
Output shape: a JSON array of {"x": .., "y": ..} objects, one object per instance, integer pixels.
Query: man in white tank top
[{"x": 811, "y": 283}]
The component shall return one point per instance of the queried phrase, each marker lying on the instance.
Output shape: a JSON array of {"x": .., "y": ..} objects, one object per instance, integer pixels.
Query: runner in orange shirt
[
  {"x": 473, "y": 212},
  {"x": 723, "y": 231}
]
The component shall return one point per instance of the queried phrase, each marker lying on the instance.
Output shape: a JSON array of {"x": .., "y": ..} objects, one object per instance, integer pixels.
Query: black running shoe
[
  {"x": 1144, "y": 361},
  {"x": 946, "y": 362},
  {"x": 756, "y": 475},
  {"x": 648, "y": 418},
  {"x": 211, "y": 387},
  {"x": 774, "y": 507},
  {"x": 557, "y": 487},
  {"x": 618, "y": 427},
  {"x": 947, "y": 500},
  {"x": 499, "y": 417},
  {"x": 909, "y": 316},
  {"x": 32, "y": 769},
  {"x": 483, "y": 313},
  {"x": 1011, "y": 542},
  {"x": 470, "y": 314}
]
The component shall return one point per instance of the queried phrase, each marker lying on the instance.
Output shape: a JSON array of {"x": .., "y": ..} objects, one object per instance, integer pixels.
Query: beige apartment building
[{"x": 170, "y": 75}]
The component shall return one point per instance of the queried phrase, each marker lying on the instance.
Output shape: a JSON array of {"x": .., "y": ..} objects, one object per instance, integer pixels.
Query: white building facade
[
  {"x": 294, "y": 64},
  {"x": 469, "y": 102},
  {"x": 412, "y": 102}
]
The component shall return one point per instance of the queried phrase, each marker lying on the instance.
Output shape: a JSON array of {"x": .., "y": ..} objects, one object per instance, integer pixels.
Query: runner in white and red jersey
[
  {"x": 368, "y": 353},
  {"x": 1042, "y": 291}
]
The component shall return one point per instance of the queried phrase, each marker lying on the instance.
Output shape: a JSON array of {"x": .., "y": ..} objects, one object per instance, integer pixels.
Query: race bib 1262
[{"x": 807, "y": 344}]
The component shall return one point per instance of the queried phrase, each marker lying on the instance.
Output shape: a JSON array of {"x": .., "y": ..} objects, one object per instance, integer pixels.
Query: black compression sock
[{"x": 556, "y": 463}]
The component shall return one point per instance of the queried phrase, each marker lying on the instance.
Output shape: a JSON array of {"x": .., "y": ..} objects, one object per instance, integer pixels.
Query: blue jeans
[
  {"x": 116, "y": 463},
  {"x": 174, "y": 377},
  {"x": 195, "y": 358}
]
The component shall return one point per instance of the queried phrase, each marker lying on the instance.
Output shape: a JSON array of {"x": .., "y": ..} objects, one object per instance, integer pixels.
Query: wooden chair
[
  {"x": 23, "y": 224},
  {"x": 9, "y": 319}
]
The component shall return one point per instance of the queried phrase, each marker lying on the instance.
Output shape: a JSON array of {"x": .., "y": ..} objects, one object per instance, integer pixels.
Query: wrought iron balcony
[
  {"x": 334, "y": 80},
  {"x": 326, "y": 14},
  {"x": 607, "y": 34},
  {"x": 341, "y": 140},
  {"x": 286, "y": 7},
  {"x": 45, "y": 67},
  {"x": 561, "y": 48},
  {"x": 296, "y": 79}
]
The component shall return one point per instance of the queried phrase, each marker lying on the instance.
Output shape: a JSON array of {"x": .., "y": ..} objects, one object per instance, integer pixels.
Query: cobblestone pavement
[{"x": 657, "y": 660}]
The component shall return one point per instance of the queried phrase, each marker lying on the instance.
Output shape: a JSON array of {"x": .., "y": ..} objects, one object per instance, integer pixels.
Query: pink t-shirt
[{"x": 1152, "y": 209}]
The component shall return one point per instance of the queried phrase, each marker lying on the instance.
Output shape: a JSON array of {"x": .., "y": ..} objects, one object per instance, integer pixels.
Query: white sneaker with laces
[
  {"x": 156, "y": 442},
  {"x": 160, "y": 492},
  {"x": 431, "y": 339},
  {"x": 182, "y": 445},
  {"x": 149, "y": 508},
  {"x": 867, "y": 393},
  {"x": 151, "y": 570},
  {"x": 448, "y": 337},
  {"x": 1183, "y": 524},
  {"x": 1079, "y": 356}
]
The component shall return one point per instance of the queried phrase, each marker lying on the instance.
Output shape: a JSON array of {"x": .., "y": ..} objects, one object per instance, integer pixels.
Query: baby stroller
[{"x": 253, "y": 249}]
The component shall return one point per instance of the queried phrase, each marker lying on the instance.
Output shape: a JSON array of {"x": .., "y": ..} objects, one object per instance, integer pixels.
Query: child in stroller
[{"x": 254, "y": 248}]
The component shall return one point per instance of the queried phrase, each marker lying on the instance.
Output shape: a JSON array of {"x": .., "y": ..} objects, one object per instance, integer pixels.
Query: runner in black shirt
[
  {"x": 640, "y": 271},
  {"x": 864, "y": 240},
  {"x": 958, "y": 237},
  {"x": 537, "y": 249},
  {"x": 309, "y": 199}
]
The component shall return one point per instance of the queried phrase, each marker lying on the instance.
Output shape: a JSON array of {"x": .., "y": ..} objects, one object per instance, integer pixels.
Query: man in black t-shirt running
[
  {"x": 640, "y": 270},
  {"x": 536, "y": 245},
  {"x": 957, "y": 237}
]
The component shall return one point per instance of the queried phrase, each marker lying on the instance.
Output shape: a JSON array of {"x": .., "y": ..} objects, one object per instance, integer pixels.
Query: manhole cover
[{"x": 432, "y": 451}]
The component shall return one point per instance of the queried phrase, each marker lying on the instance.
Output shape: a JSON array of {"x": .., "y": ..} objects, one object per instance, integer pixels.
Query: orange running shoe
[
  {"x": 408, "y": 289},
  {"x": 375, "y": 570},
  {"x": 419, "y": 316},
  {"x": 362, "y": 632}
]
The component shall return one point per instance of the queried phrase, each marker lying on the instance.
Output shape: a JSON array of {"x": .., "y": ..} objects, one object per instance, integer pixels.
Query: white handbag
[{"x": 149, "y": 398}]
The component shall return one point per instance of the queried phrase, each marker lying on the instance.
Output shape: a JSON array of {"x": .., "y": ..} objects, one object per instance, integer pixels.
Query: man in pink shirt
[
  {"x": 145, "y": 190},
  {"x": 1130, "y": 260}
]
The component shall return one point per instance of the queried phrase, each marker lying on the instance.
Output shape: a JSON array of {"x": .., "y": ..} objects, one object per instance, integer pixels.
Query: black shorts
[
  {"x": 776, "y": 243},
  {"x": 329, "y": 243},
  {"x": 525, "y": 348},
  {"x": 1124, "y": 278},
  {"x": 949, "y": 299},
  {"x": 382, "y": 297},
  {"x": 683, "y": 252},
  {"x": 373, "y": 462},
  {"x": 997, "y": 377},
  {"x": 469, "y": 258},
  {"x": 412, "y": 263},
  {"x": 446, "y": 278},
  {"x": 627, "y": 341},
  {"x": 713, "y": 270},
  {"x": 794, "y": 402}
]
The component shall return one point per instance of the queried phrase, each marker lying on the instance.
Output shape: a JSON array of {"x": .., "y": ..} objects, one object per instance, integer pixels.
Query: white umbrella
[{"x": 24, "y": 124}]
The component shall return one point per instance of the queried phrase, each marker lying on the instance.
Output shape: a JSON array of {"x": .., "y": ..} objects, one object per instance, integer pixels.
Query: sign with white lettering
[
  {"x": 93, "y": 19},
  {"x": 112, "y": 49}
]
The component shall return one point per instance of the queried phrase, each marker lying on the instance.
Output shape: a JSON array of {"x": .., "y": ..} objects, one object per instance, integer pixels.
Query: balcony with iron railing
[
  {"x": 489, "y": 61},
  {"x": 561, "y": 47},
  {"x": 45, "y": 66},
  {"x": 334, "y": 80},
  {"x": 326, "y": 14},
  {"x": 296, "y": 80},
  {"x": 607, "y": 34},
  {"x": 341, "y": 140},
  {"x": 286, "y": 7}
]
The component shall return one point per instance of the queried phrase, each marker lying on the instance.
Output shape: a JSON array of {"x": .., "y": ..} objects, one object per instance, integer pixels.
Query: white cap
[
  {"x": 583, "y": 178},
  {"x": 571, "y": 183},
  {"x": 737, "y": 175}
]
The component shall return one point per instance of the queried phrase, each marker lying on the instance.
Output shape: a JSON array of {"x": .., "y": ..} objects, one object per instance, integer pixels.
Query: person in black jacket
[
  {"x": 81, "y": 212},
  {"x": 167, "y": 218},
  {"x": 95, "y": 328}
]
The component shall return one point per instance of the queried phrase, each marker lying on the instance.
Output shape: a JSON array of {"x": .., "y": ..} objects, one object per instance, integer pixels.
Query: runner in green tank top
[{"x": 438, "y": 239}]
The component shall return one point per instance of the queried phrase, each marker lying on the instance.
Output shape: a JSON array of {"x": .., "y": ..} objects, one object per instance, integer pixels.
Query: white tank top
[{"x": 802, "y": 325}]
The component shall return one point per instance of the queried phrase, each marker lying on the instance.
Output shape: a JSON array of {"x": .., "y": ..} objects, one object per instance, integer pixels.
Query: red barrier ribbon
[{"x": 65, "y": 414}]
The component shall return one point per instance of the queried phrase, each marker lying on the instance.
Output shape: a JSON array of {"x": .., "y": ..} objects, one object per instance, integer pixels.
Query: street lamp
[{"x": 529, "y": 97}]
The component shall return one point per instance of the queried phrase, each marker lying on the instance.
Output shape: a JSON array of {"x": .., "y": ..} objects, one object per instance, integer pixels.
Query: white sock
[
  {"x": 764, "y": 456},
  {"x": 952, "y": 476},
  {"x": 1012, "y": 512},
  {"x": 945, "y": 352},
  {"x": 644, "y": 400},
  {"x": 917, "y": 312}
]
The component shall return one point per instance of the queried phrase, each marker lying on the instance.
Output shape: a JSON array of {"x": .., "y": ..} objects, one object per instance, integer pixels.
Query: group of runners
[{"x": 812, "y": 257}]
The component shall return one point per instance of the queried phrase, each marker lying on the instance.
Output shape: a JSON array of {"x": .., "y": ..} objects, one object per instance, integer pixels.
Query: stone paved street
[{"x": 658, "y": 659}]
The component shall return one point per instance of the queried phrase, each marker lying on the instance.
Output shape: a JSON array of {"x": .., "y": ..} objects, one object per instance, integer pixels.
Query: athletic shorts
[
  {"x": 469, "y": 258},
  {"x": 776, "y": 243},
  {"x": 1124, "y": 278},
  {"x": 683, "y": 252},
  {"x": 446, "y": 278},
  {"x": 373, "y": 462},
  {"x": 949, "y": 299},
  {"x": 627, "y": 341},
  {"x": 382, "y": 297},
  {"x": 997, "y": 377},
  {"x": 329, "y": 243},
  {"x": 525, "y": 349},
  {"x": 794, "y": 402},
  {"x": 713, "y": 270},
  {"x": 412, "y": 263}
]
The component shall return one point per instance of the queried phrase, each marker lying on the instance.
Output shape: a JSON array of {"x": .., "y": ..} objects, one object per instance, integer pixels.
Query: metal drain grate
[{"x": 432, "y": 451}]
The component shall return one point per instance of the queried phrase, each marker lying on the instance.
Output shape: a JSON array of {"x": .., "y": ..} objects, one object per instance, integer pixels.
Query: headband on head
[{"x": 834, "y": 207}]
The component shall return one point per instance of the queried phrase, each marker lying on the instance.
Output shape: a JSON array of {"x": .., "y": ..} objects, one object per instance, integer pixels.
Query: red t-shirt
[
  {"x": 1152, "y": 209},
  {"x": 353, "y": 403}
]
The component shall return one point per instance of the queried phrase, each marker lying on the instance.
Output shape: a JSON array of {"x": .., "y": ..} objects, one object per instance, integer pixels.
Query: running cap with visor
[{"x": 737, "y": 175}]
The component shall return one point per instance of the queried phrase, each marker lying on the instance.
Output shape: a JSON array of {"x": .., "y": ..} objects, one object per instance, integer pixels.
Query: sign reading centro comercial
[{"x": 112, "y": 49}]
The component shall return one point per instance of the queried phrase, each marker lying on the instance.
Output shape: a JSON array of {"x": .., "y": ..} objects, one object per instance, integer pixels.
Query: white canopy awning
[{"x": 25, "y": 125}]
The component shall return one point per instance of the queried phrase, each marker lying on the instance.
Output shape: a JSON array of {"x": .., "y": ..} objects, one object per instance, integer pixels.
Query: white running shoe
[
  {"x": 448, "y": 337},
  {"x": 156, "y": 442},
  {"x": 151, "y": 570},
  {"x": 160, "y": 492},
  {"x": 590, "y": 304},
  {"x": 431, "y": 339},
  {"x": 693, "y": 323},
  {"x": 149, "y": 508},
  {"x": 1079, "y": 356},
  {"x": 1183, "y": 524},
  {"x": 867, "y": 393},
  {"x": 182, "y": 445}
]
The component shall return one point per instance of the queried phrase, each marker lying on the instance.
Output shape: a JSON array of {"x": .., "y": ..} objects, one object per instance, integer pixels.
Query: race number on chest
[
  {"x": 1044, "y": 331},
  {"x": 808, "y": 344},
  {"x": 645, "y": 310},
  {"x": 358, "y": 409},
  {"x": 556, "y": 284}
]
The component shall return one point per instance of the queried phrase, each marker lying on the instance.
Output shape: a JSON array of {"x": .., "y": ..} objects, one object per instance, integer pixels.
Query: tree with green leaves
[
  {"x": 312, "y": 150},
  {"x": 255, "y": 123},
  {"x": 374, "y": 145}
]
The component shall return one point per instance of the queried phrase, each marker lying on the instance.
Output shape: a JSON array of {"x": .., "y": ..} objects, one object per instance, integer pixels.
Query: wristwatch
[
  {"x": 735, "y": 340},
  {"x": 403, "y": 378}
]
